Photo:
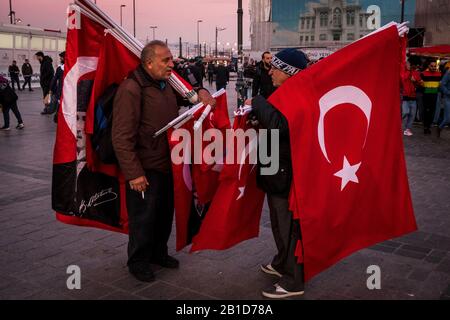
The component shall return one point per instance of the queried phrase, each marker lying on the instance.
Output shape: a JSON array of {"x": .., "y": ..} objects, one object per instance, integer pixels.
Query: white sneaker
[
  {"x": 277, "y": 292},
  {"x": 408, "y": 133},
  {"x": 270, "y": 270}
]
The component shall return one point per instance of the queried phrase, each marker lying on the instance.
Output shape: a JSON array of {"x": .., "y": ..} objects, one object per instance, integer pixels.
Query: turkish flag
[
  {"x": 235, "y": 211},
  {"x": 350, "y": 187},
  {"x": 195, "y": 184}
]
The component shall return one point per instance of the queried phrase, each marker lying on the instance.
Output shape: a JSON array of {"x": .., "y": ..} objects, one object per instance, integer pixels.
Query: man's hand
[
  {"x": 139, "y": 184},
  {"x": 248, "y": 102},
  {"x": 206, "y": 98}
]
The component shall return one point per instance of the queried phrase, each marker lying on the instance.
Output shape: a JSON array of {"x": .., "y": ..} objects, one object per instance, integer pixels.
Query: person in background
[
  {"x": 46, "y": 75},
  {"x": 14, "y": 73},
  {"x": 8, "y": 100},
  {"x": 27, "y": 72}
]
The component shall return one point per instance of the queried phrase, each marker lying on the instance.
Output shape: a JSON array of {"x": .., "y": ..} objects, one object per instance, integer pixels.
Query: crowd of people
[
  {"x": 51, "y": 83},
  {"x": 425, "y": 92}
]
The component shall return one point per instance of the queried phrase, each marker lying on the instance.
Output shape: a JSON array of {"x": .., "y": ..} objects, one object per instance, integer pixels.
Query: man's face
[
  {"x": 39, "y": 58},
  {"x": 26, "y": 61},
  {"x": 161, "y": 65},
  {"x": 433, "y": 66},
  {"x": 61, "y": 59},
  {"x": 14, "y": 63},
  {"x": 278, "y": 76},
  {"x": 267, "y": 59}
]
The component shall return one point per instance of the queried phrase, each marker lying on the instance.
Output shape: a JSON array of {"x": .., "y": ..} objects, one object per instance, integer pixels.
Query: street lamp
[
  {"x": 198, "y": 38},
  {"x": 217, "y": 33},
  {"x": 121, "y": 7},
  {"x": 153, "y": 27},
  {"x": 402, "y": 18}
]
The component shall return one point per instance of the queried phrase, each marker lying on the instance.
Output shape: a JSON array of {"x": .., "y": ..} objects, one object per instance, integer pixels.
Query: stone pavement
[{"x": 36, "y": 250}]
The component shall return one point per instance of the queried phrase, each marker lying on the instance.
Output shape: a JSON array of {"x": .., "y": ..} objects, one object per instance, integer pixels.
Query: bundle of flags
[{"x": 349, "y": 190}]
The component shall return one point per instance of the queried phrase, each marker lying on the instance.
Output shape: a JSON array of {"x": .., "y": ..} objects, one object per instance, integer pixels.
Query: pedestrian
[
  {"x": 144, "y": 103},
  {"x": 222, "y": 76},
  {"x": 8, "y": 100},
  {"x": 14, "y": 73},
  {"x": 210, "y": 73},
  {"x": 27, "y": 72},
  {"x": 445, "y": 89},
  {"x": 46, "y": 75},
  {"x": 285, "y": 229},
  {"x": 56, "y": 85},
  {"x": 431, "y": 78},
  {"x": 410, "y": 80},
  {"x": 262, "y": 81}
]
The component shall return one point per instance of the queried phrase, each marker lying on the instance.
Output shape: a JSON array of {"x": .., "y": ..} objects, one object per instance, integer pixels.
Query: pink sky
[{"x": 174, "y": 18}]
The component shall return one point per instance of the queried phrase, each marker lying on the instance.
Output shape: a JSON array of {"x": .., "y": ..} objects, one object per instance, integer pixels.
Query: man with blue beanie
[{"x": 286, "y": 230}]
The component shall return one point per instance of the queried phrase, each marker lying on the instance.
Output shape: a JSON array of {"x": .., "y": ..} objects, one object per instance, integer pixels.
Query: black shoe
[
  {"x": 167, "y": 262},
  {"x": 31, "y": 90},
  {"x": 141, "y": 273},
  {"x": 20, "y": 126},
  {"x": 426, "y": 131}
]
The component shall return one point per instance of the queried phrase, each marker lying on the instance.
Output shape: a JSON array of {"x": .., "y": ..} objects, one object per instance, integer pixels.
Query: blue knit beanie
[{"x": 290, "y": 61}]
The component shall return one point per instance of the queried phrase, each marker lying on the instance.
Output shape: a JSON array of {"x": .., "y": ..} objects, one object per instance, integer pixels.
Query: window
[
  {"x": 307, "y": 39},
  {"x": 312, "y": 38},
  {"x": 337, "y": 17},
  {"x": 307, "y": 23},
  {"x": 49, "y": 44},
  {"x": 36, "y": 43},
  {"x": 301, "y": 39},
  {"x": 350, "y": 36},
  {"x": 336, "y": 37},
  {"x": 61, "y": 45},
  {"x": 303, "y": 23},
  {"x": 6, "y": 41},
  {"x": 323, "y": 37},
  {"x": 350, "y": 17},
  {"x": 323, "y": 19},
  {"x": 361, "y": 21},
  {"x": 313, "y": 23}
]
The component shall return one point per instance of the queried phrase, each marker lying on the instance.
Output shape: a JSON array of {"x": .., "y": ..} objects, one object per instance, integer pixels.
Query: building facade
[
  {"x": 22, "y": 42},
  {"x": 260, "y": 24}
]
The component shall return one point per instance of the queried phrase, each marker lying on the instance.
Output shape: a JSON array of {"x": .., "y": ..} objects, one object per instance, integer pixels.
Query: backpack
[
  {"x": 102, "y": 136},
  {"x": 7, "y": 94}
]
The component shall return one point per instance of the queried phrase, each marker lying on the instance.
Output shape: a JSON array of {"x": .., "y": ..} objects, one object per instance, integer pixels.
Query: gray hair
[{"x": 149, "y": 50}]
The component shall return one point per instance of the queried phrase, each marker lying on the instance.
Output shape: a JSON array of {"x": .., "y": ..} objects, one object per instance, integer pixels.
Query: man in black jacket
[
  {"x": 286, "y": 230},
  {"x": 14, "y": 75},
  {"x": 46, "y": 75},
  {"x": 56, "y": 85},
  {"x": 262, "y": 81},
  {"x": 27, "y": 72}
]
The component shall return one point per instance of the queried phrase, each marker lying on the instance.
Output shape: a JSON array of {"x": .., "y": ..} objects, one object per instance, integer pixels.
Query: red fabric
[
  {"x": 235, "y": 211},
  {"x": 198, "y": 177},
  {"x": 337, "y": 220},
  {"x": 84, "y": 42},
  {"x": 206, "y": 176},
  {"x": 182, "y": 181}
]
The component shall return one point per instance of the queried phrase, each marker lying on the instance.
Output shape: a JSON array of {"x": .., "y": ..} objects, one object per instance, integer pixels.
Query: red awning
[{"x": 435, "y": 51}]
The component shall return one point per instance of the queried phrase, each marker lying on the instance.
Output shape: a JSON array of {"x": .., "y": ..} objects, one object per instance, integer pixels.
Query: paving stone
[{"x": 160, "y": 291}]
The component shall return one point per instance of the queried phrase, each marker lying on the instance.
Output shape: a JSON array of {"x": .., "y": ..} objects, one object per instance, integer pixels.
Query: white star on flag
[{"x": 348, "y": 173}]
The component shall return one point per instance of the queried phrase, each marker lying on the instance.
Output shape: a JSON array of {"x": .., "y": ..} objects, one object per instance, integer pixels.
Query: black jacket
[
  {"x": 47, "y": 73},
  {"x": 13, "y": 71},
  {"x": 57, "y": 82},
  {"x": 270, "y": 118},
  {"x": 7, "y": 95},
  {"x": 223, "y": 75},
  {"x": 262, "y": 82},
  {"x": 27, "y": 69}
]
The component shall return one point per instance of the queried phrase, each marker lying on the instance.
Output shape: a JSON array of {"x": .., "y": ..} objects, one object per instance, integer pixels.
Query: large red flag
[
  {"x": 235, "y": 210},
  {"x": 350, "y": 185},
  {"x": 196, "y": 184}
]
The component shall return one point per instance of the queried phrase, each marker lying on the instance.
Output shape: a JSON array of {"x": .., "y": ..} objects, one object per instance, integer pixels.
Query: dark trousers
[
  {"x": 150, "y": 219},
  {"x": 16, "y": 112},
  {"x": 210, "y": 78},
  {"x": 15, "y": 79},
  {"x": 286, "y": 233},
  {"x": 429, "y": 108},
  {"x": 27, "y": 81}
]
